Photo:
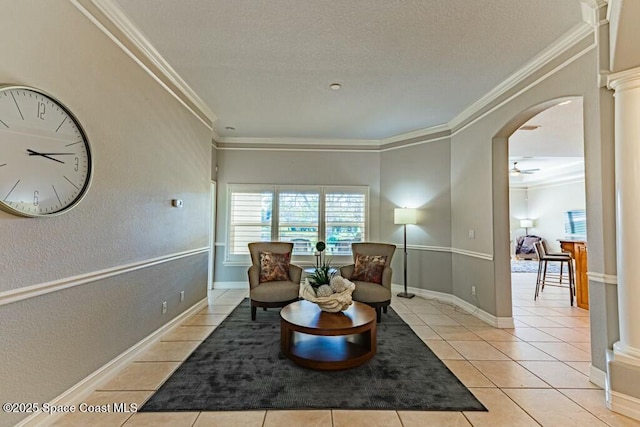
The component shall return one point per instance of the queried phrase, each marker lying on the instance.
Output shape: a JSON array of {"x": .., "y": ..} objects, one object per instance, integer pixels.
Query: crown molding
[
  {"x": 108, "y": 16},
  {"x": 420, "y": 133},
  {"x": 215, "y": 137},
  {"x": 434, "y": 133},
  {"x": 553, "y": 51},
  {"x": 299, "y": 144},
  {"x": 111, "y": 19},
  {"x": 594, "y": 12},
  {"x": 368, "y": 143}
]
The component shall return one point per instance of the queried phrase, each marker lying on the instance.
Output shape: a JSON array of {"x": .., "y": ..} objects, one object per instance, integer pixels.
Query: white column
[{"x": 627, "y": 157}]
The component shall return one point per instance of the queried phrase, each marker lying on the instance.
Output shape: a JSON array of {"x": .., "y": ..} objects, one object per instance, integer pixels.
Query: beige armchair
[
  {"x": 266, "y": 289},
  {"x": 373, "y": 282}
]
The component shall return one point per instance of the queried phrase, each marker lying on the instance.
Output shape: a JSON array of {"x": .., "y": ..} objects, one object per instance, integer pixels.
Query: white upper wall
[{"x": 547, "y": 204}]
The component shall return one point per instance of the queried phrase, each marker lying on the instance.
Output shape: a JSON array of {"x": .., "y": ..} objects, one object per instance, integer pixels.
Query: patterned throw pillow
[
  {"x": 274, "y": 267},
  {"x": 369, "y": 268}
]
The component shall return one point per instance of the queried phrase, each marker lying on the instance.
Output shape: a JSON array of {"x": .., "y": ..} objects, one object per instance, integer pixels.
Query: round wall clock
[{"x": 45, "y": 159}]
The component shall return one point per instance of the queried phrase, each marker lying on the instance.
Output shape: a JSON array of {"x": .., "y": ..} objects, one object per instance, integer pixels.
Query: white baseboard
[
  {"x": 76, "y": 394},
  {"x": 230, "y": 285},
  {"x": 625, "y": 405},
  {"x": 496, "y": 322},
  {"x": 597, "y": 376}
]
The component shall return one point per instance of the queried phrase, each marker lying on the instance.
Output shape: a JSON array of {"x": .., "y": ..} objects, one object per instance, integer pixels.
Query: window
[
  {"x": 249, "y": 219},
  {"x": 344, "y": 220},
  {"x": 298, "y": 220},
  {"x": 575, "y": 223},
  {"x": 303, "y": 215}
]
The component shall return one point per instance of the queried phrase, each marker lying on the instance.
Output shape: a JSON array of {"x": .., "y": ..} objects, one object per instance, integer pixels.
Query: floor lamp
[{"x": 405, "y": 216}]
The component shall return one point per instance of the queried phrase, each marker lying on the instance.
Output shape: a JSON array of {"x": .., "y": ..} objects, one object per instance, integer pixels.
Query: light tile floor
[{"x": 534, "y": 374}]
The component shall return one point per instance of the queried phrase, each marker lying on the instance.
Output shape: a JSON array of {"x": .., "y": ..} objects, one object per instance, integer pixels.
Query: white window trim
[{"x": 302, "y": 260}]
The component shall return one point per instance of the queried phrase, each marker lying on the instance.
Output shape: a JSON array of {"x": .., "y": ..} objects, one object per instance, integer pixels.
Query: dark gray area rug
[{"x": 240, "y": 367}]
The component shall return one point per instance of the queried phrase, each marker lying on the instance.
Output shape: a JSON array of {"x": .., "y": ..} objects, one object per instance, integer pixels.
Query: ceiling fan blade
[{"x": 529, "y": 170}]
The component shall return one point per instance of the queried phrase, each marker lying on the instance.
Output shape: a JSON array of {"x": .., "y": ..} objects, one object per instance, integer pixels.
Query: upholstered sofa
[{"x": 525, "y": 247}]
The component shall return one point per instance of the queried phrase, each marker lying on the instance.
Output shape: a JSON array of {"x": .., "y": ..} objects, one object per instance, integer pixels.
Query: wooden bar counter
[{"x": 578, "y": 250}]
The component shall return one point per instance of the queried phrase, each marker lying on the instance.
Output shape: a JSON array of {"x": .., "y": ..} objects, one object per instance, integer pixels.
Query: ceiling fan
[{"x": 515, "y": 171}]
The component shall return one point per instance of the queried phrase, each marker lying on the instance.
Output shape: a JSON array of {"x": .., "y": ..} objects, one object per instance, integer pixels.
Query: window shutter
[
  {"x": 345, "y": 220},
  {"x": 250, "y": 220},
  {"x": 298, "y": 220}
]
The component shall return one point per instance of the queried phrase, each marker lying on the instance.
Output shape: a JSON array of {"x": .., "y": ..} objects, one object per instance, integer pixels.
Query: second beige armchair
[{"x": 371, "y": 272}]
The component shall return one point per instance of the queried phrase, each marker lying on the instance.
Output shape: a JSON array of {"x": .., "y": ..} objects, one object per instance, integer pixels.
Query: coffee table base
[
  {"x": 329, "y": 353},
  {"x": 328, "y": 341}
]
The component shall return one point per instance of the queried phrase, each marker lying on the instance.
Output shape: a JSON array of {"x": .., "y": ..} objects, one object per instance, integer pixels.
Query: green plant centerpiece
[
  {"x": 321, "y": 277},
  {"x": 331, "y": 292}
]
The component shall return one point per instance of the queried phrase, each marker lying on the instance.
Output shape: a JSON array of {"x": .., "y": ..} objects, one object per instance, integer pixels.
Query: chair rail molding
[
  {"x": 15, "y": 295},
  {"x": 608, "y": 279}
]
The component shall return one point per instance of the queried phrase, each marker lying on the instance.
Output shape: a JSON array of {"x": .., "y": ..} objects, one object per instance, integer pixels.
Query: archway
[{"x": 501, "y": 212}]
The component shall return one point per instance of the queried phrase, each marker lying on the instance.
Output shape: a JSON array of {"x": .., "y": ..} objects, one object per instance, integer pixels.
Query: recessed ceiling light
[
  {"x": 335, "y": 86},
  {"x": 230, "y": 128}
]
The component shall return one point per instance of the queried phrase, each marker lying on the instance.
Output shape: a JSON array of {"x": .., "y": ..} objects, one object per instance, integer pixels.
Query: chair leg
[
  {"x": 561, "y": 265},
  {"x": 538, "y": 280},
  {"x": 378, "y": 314},
  {"x": 572, "y": 283},
  {"x": 264, "y": 308},
  {"x": 544, "y": 274},
  {"x": 254, "y": 309},
  {"x": 384, "y": 309}
]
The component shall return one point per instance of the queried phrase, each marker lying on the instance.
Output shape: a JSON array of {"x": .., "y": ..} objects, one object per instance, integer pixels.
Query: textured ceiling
[
  {"x": 264, "y": 67},
  {"x": 555, "y": 146}
]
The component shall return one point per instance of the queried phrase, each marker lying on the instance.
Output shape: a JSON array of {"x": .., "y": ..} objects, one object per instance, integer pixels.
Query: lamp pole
[
  {"x": 405, "y": 216},
  {"x": 405, "y": 294}
]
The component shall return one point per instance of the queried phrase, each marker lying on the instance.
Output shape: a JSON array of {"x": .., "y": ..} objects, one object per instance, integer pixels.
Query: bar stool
[{"x": 551, "y": 279}]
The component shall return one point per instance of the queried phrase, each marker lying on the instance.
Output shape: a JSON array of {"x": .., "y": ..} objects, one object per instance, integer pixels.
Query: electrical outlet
[
  {"x": 181, "y": 296},
  {"x": 473, "y": 290},
  {"x": 164, "y": 307},
  {"x": 472, "y": 234}
]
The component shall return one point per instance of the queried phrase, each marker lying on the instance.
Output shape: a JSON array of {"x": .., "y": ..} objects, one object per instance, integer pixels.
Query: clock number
[
  {"x": 35, "y": 198},
  {"x": 75, "y": 164},
  {"x": 41, "y": 108}
]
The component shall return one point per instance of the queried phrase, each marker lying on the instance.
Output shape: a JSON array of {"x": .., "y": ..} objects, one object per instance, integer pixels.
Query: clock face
[{"x": 45, "y": 160}]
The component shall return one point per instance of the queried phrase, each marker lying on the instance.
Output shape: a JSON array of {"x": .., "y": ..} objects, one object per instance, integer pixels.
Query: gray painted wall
[
  {"x": 147, "y": 150},
  {"x": 418, "y": 177},
  {"x": 473, "y": 199},
  {"x": 292, "y": 167}
]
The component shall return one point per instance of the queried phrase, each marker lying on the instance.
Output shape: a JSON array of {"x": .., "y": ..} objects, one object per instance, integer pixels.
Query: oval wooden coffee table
[{"x": 328, "y": 341}]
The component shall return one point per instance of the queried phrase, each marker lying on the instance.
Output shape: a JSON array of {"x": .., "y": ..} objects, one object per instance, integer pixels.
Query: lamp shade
[
  {"x": 526, "y": 223},
  {"x": 405, "y": 215}
]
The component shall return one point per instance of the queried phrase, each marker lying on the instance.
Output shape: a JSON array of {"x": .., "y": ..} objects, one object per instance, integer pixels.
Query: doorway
[{"x": 546, "y": 186}]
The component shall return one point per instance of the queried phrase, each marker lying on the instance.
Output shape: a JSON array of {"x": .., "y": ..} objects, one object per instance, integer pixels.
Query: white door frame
[{"x": 212, "y": 237}]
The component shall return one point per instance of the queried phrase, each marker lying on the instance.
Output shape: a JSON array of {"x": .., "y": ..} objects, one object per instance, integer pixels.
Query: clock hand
[{"x": 35, "y": 153}]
